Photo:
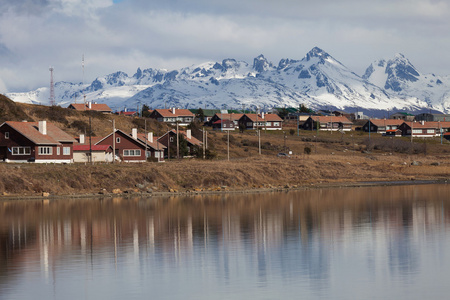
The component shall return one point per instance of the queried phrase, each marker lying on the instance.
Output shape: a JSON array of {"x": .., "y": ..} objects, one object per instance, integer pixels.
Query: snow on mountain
[
  {"x": 317, "y": 80},
  {"x": 401, "y": 79}
]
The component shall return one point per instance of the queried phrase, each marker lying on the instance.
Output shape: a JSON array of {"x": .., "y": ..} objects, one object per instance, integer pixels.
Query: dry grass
[{"x": 245, "y": 173}]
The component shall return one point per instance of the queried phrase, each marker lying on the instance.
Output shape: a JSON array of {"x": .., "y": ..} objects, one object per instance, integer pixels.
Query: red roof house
[
  {"x": 39, "y": 142},
  {"x": 100, "y": 107}
]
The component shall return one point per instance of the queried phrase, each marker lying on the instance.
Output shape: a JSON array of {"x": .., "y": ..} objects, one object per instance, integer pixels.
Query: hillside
[
  {"x": 317, "y": 158},
  {"x": 10, "y": 111}
]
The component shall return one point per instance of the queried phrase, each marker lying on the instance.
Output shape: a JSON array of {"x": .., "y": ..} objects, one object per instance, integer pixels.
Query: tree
[
  {"x": 145, "y": 111},
  {"x": 304, "y": 109},
  {"x": 241, "y": 127},
  {"x": 282, "y": 113},
  {"x": 200, "y": 115}
]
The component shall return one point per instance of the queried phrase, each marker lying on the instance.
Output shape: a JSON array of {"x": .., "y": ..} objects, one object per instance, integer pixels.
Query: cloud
[{"x": 176, "y": 33}]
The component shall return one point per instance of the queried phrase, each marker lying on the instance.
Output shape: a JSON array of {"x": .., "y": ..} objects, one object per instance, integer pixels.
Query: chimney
[
  {"x": 188, "y": 134},
  {"x": 423, "y": 122},
  {"x": 173, "y": 110},
  {"x": 262, "y": 115},
  {"x": 43, "y": 127},
  {"x": 150, "y": 137},
  {"x": 90, "y": 104},
  {"x": 134, "y": 133},
  {"x": 82, "y": 140}
]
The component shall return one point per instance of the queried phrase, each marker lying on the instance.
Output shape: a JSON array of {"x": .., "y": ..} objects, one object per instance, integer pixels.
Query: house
[
  {"x": 207, "y": 113},
  {"x": 402, "y": 116},
  {"x": 223, "y": 125},
  {"x": 100, "y": 153},
  {"x": 428, "y": 117},
  {"x": 90, "y": 106},
  {"x": 127, "y": 147},
  {"x": 261, "y": 121},
  {"x": 327, "y": 123},
  {"x": 172, "y": 116},
  {"x": 231, "y": 117},
  {"x": 128, "y": 113},
  {"x": 154, "y": 148},
  {"x": 382, "y": 125},
  {"x": 424, "y": 129},
  {"x": 394, "y": 132},
  {"x": 169, "y": 140},
  {"x": 39, "y": 142}
]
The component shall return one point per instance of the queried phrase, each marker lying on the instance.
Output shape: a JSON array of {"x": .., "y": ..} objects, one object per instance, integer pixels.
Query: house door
[{"x": 3, "y": 153}]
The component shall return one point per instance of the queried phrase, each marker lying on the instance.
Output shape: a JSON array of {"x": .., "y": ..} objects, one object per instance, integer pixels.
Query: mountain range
[{"x": 318, "y": 81}]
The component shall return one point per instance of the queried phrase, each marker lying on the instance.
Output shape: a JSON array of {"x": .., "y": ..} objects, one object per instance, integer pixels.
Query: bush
[
  {"x": 307, "y": 150},
  {"x": 80, "y": 125},
  {"x": 291, "y": 131}
]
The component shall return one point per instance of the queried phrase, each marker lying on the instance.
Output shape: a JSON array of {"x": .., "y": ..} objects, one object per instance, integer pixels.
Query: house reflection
[{"x": 289, "y": 234}]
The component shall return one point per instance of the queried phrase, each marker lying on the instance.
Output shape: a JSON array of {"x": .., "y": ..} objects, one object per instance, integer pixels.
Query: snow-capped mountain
[
  {"x": 401, "y": 79},
  {"x": 317, "y": 80}
]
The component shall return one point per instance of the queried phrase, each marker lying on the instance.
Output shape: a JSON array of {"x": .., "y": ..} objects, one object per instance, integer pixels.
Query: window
[
  {"x": 6, "y": 135},
  {"x": 21, "y": 150},
  {"x": 132, "y": 152},
  {"x": 417, "y": 130},
  {"x": 276, "y": 124},
  {"x": 66, "y": 150},
  {"x": 45, "y": 151},
  {"x": 118, "y": 140},
  {"x": 430, "y": 131},
  {"x": 171, "y": 139},
  {"x": 58, "y": 150}
]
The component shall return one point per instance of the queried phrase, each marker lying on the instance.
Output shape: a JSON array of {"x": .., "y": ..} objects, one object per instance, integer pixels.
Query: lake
[{"x": 339, "y": 243}]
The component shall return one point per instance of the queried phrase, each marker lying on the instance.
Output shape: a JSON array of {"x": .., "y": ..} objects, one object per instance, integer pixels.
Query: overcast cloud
[{"x": 127, "y": 34}]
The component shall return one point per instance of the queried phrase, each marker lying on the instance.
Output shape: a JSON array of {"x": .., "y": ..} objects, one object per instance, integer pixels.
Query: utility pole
[
  {"x": 178, "y": 143},
  {"x": 145, "y": 137},
  {"x": 90, "y": 141},
  {"x": 204, "y": 143},
  {"x": 114, "y": 140}
]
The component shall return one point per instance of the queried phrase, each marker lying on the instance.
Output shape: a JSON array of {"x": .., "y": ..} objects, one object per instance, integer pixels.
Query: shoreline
[
  {"x": 195, "y": 177},
  {"x": 188, "y": 193}
]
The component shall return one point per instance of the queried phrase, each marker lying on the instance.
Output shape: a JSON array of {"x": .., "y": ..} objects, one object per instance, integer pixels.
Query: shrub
[{"x": 307, "y": 150}]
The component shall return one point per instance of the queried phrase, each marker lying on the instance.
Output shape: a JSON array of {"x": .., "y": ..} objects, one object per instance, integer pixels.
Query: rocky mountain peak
[
  {"x": 317, "y": 52},
  {"x": 260, "y": 64}
]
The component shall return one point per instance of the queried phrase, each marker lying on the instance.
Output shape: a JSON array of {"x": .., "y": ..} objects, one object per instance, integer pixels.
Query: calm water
[{"x": 356, "y": 243}]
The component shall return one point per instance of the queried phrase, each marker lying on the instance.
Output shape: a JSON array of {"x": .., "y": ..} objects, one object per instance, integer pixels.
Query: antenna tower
[
  {"x": 52, "y": 88},
  {"x": 84, "y": 95}
]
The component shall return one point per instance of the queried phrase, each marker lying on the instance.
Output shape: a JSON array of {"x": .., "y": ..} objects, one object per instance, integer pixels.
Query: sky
[{"x": 122, "y": 35}]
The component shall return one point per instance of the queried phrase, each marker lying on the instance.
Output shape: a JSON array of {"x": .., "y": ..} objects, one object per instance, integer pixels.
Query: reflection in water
[{"x": 358, "y": 243}]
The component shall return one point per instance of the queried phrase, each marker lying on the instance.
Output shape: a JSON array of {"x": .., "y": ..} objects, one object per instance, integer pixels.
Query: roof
[
  {"x": 434, "y": 125},
  {"x": 167, "y": 113},
  {"x": 334, "y": 119},
  {"x": 233, "y": 117},
  {"x": 266, "y": 118},
  {"x": 30, "y": 130},
  {"x": 382, "y": 122},
  {"x": 402, "y": 113},
  {"x": 128, "y": 113},
  {"x": 224, "y": 121},
  {"x": 155, "y": 144},
  {"x": 93, "y": 147},
  {"x": 193, "y": 140},
  {"x": 94, "y": 140},
  {"x": 206, "y": 112},
  {"x": 94, "y": 106}
]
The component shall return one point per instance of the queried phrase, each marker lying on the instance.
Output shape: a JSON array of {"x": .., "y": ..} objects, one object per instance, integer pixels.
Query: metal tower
[{"x": 52, "y": 88}]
